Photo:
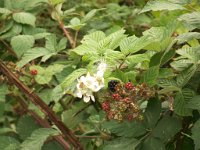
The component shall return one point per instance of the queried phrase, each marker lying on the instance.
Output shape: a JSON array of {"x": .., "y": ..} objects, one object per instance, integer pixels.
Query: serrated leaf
[
  {"x": 24, "y": 18},
  {"x": 137, "y": 58},
  {"x": 120, "y": 143},
  {"x": 37, "y": 139},
  {"x": 180, "y": 104},
  {"x": 167, "y": 128},
  {"x": 161, "y": 5},
  {"x": 72, "y": 77},
  {"x": 191, "y": 19},
  {"x": 185, "y": 37},
  {"x": 15, "y": 30},
  {"x": 8, "y": 143},
  {"x": 194, "y": 103},
  {"x": 196, "y": 134},
  {"x": 183, "y": 78},
  {"x": 32, "y": 54},
  {"x": 150, "y": 76},
  {"x": 22, "y": 43},
  {"x": 125, "y": 129}
]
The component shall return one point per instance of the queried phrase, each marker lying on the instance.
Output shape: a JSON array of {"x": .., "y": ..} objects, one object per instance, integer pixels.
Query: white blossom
[{"x": 91, "y": 83}]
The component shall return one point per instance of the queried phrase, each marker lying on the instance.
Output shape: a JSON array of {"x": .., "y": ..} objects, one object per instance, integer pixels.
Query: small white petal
[
  {"x": 92, "y": 97},
  {"x": 86, "y": 99},
  {"x": 79, "y": 94}
]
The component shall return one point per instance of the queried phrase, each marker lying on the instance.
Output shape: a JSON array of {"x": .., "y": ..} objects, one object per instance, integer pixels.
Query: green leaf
[
  {"x": 32, "y": 54},
  {"x": 161, "y": 5},
  {"x": 25, "y": 126},
  {"x": 3, "y": 92},
  {"x": 194, "y": 103},
  {"x": 8, "y": 143},
  {"x": 150, "y": 76},
  {"x": 22, "y": 43},
  {"x": 72, "y": 77},
  {"x": 72, "y": 118},
  {"x": 15, "y": 30},
  {"x": 62, "y": 44},
  {"x": 167, "y": 128},
  {"x": 180, "y": 104},
  {"x": 53, "y": 145},
  {"x": 152, "y": 112},
  {"x": 183, "y": 78},
  {"x": 196, "y": 134},
  {"x": 120, "y": 143},
  {"x": 133, "y": 44},
  {"x": 89, "y": 15},
  {"x": 125, "y": 129},
  {"x": 37, "y": 139},
  {"x": 152, "y": 143},
  {"x": 24, "y": 18},
  {"x": 191, "y": 19},
  {"x": 51, "y": 43},
  {"x": 44, "y": 75},
  {"x": 5, "y": 11},
  {"x": 137, "y": 58},
  {"x": 185, "y": 37}
]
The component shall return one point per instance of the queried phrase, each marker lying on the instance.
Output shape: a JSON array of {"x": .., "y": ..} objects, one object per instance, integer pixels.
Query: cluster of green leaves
[{"x": 156, "y": 42}]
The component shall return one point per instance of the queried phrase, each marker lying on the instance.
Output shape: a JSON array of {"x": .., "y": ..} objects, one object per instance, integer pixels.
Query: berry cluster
[{"x": 122, "y": 101}]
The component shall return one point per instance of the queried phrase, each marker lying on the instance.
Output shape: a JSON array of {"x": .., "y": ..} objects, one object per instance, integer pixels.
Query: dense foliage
[{"x": 121, "y": 74}]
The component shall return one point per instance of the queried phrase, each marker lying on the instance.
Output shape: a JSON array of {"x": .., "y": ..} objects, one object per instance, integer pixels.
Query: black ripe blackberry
[{"x": 112, "y": 84}]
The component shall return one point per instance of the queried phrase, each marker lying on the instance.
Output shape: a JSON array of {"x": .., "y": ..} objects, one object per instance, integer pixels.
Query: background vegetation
[{"x": 152, "y": 53}]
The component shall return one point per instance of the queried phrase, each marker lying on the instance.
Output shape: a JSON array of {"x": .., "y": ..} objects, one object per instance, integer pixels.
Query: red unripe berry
[
  {"x": 129, "y": 86},
  {"x": 116, "y": 96},
  {"x": 127, "y": 100},
  {"x": 130, "y": 117},
  {"x": 105, "y": 106},
  {"x": 34, "y": 72}
]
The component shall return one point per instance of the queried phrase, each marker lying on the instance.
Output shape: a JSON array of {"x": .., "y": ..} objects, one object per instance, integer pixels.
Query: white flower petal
[
  {"x": 86, "y": 99},
  {"x": 92, "y": 98}
]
